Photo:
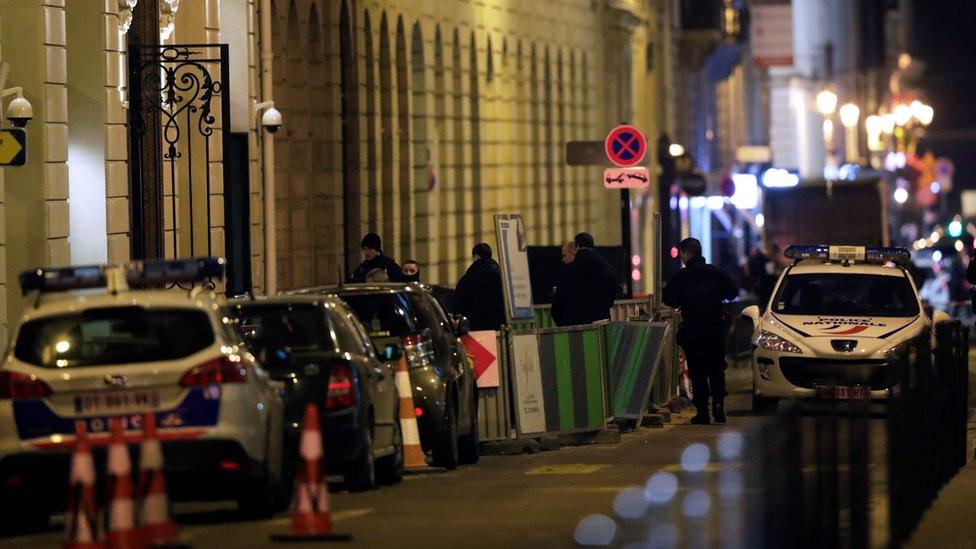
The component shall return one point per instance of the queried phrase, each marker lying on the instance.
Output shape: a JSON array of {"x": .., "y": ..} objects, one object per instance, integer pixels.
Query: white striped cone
[
  {"x": 413, "y": 454},
  {"x": 157, "y": 526},
  {"x": 122, "y": 531},
  {"x": 81, "y": 520}
]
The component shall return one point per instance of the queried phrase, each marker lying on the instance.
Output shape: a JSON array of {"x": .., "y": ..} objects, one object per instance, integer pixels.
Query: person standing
[
  {"x": 700, "y": 291},
  {"x": 373, "y": 258},
  {"x": 569, "y": 252},
  {"x": 586, "y": 288},
  {"x": 411, "y": 271},
  {"x": 478, "y": 294}
]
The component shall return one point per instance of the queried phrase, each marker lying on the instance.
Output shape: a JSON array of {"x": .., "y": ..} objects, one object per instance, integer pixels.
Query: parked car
[
  {"x": 318, "y": 352},
  {"x": 118, "y": 351},
  {"x": 408, "y": 319}
]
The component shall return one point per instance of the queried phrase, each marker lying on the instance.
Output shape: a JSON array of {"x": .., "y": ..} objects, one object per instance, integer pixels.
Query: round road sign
[{"x": 625, "y": 146}]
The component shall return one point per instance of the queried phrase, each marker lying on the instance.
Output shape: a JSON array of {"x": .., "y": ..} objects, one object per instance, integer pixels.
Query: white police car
[
  {"x": 836, "y": 318},
  {"x": 116, "y": 351}
]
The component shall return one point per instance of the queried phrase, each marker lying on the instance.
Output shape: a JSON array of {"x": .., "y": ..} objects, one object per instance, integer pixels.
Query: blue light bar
[
  {"x": 62, "y": 279},
  {"x": 861, "y": 254},
  {"x": 199, "y": 269}
]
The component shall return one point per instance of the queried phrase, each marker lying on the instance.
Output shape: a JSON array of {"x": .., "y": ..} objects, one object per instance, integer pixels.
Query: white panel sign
[{"x": 528, "y": 384}]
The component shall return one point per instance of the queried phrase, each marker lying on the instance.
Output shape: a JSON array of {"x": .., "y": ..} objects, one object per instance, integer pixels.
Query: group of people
[{"x": 584, "y": 293}]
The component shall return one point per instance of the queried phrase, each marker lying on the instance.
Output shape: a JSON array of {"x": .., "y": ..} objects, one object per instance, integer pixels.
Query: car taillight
[
  {"x": 214, "y": 372},
  {"x": 18, "y": 385},
  {"x": 341, "y": 393},
  {"x": 418, "y": 350}
]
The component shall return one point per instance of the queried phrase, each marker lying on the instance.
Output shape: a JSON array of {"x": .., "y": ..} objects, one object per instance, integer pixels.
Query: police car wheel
[
  {"x": 468, "y": 451},
  {"x": 257, "y": 497},
  {"x": 389, "y": 469},
  {"x": 446, "y": 445},
  {"x": 360, "y": 474},
  {"x": 764, "y": 405}
]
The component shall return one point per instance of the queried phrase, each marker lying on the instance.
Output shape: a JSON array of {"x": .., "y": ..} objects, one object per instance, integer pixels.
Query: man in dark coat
[
  {"x": 700, "y": 291},
  {"x": 586, "y": 287},
  {"x": 478, "y": 295},
  {"x": 373, "y": 257}
]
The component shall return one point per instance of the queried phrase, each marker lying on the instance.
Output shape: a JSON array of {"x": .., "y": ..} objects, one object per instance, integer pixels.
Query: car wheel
[
  {"x": 446, "y": 445},
  {"x": 468, "y": 451},
  {"x": 390, "y": 468},
  {"x": 256, "y": 500},
  {"x": 764, "y": 405},
  {"x": 360, "y": 473}
]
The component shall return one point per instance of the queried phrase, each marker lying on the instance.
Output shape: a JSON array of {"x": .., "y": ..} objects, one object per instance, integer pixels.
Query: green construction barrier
[
  {"x": 634, "y": 352},
  {"x": 560, "y": 379}
]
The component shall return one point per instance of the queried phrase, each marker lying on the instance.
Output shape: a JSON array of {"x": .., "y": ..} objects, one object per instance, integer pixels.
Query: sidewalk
[{"x": 949, "y": 522}]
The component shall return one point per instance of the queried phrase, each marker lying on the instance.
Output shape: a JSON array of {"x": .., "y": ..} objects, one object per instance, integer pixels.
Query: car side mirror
[
  {"x": 940, "y": 317},
  {"x": 461, "y": 324},
  {"x": 392, "y": 352},
  {"x": 752, "y": 313}
]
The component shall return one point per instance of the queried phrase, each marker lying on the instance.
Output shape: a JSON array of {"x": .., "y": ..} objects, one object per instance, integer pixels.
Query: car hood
[{"x": 844, "y": 326}]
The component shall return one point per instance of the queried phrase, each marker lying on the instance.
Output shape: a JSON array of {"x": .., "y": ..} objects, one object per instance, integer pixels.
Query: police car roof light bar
[
  {"x": 62, "y": 279},
  {"x": 861, "y": 254},
  {"x": 198, "y": 269}
]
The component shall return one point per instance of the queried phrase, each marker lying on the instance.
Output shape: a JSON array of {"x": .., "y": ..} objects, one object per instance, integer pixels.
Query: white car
[
  {"x": 836, "y": 317},
  {"x": 111, "y": 351}
]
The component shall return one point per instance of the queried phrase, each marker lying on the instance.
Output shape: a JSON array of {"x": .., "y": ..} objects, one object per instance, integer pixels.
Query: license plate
[
  {"x": 119, "y": 402},
  {"x": 843, "y": 392}
]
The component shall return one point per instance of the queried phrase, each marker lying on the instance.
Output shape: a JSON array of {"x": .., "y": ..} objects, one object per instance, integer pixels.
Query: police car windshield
[
  {"x": 113, "y": 335},
  {"x": 846, "y": 294}
]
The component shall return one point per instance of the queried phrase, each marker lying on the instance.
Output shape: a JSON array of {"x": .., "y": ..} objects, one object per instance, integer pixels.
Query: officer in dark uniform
[{"x": 700, "y": 291}]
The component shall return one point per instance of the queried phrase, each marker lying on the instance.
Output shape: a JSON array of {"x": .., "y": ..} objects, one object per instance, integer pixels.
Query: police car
[
  {"x": 94, "y": 346},
  {"x": 836, "y": 318}
]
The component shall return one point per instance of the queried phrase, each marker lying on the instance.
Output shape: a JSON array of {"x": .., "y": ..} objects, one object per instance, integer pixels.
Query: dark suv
[
  {"x": 408, "y": 319},
  {"x": 319, "y": 353}
]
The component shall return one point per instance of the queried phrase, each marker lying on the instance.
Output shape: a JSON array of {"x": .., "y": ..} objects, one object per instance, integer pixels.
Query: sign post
[{"x": 513, "y": 258}]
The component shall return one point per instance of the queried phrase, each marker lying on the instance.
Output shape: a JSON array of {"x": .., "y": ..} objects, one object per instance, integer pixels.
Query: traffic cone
[
  {"x": 157, "y": 526},
  {"x": 122, "y": 530},
  {"x": 81, "y": 520},
  {"x": 310, "y": 516},
  {"x": 413, "y": 454}
]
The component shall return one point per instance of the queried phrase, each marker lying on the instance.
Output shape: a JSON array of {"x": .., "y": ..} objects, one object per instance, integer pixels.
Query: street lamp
[
  {"x": 924, "y": 114},
  {"x": 826, "y": 102},
  {"x": 849, "y": 115},
  {"x": 873, "y": 126},
  {"x": 903, "y": 114}
]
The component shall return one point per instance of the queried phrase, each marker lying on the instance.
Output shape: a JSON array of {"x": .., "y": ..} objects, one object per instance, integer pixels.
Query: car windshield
[
  {"x": 846, "y": 294},
  {"x": 386, "y": 314},
  {"x": 288, "y": 327},
  {"x": 113, "y": 335}
]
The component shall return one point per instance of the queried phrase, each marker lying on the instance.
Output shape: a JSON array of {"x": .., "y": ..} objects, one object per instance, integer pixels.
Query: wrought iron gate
[{"x": 183, "y": 200}]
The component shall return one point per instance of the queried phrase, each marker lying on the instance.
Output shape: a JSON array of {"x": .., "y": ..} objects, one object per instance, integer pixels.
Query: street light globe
[
  {"x": 901, "y": 195},
  {"x": 826, "y": 102},
  {"x": 888, "y": 123},
  {"x": 676, "y": 150},
  {"x": 849, "y": 113},
  {"x": 903, "y": 114},
  {"x": 874, "y": 125},
  {"x": 925, "y": 115}
]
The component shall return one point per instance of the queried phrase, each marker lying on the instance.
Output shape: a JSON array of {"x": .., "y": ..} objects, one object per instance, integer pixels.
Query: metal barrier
[
  {"x": 634, "y": 355},
  {"x": 494, "y": 417},
  {"x": 623, "y": 310}
]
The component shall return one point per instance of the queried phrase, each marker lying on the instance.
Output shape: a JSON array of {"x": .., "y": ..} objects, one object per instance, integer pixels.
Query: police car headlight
[
  {"x": 904, "y": 350},
  {"x": 773, "y": 342}
]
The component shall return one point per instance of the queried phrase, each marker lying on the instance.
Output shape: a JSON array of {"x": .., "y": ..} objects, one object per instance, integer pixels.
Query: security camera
[
  {"x": 20, "y": 112},
  {"x": 271, "y": 120}
]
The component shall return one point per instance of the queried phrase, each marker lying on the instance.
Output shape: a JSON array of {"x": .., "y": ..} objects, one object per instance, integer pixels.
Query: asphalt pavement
[{"x": 697, "y": 497}]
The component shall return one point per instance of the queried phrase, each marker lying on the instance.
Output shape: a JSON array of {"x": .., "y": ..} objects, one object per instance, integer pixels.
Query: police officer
[{"x": 700, "y": 290}]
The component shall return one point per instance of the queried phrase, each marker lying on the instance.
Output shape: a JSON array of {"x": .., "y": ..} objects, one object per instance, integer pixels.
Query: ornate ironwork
[{"x": 185, "y": 86}]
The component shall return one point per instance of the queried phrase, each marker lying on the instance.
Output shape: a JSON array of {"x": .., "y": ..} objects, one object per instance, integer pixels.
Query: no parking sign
[{"x": 625, "y": 146}]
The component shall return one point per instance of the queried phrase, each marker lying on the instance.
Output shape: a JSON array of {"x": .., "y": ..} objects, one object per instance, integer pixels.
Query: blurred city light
[
  {"x": 676, "y": 150},
  {"x": 888, "y": 123},
  {"x": 901, "y": 196},
  {"x": 695, "y": 457},
  {"x": 935, "y": 187},
  {"x": 849, "y": 114},
  {"x": 959, "y": 245},
  {"x": 955, "y": 228},
  {"x": 760, "y": 220},
  {"x": 778, "y": 177},
  {"x": 630, "y": 503},
  {"x": 661, "y": 487},
  {"x": 937, "y": 256},
  {"x": 730, "y": 444},
  {"x": 903, "y": 114},
  {"x": 696, "y": 504},
  {"x": 746, "y": 195},
  {"x": 826, "y": 102},
  {"x": 715, "y": 202},
  {"x": 595, "y": 530}
]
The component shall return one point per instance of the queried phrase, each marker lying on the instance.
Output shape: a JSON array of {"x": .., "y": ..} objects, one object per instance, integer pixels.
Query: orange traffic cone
[
  {"x": 122, "y": 531},
  {"x": 157, "y": 526},
  {"x": 413, "y": 454},
  {"x": 81, "y": 521},
  {"x": 310, "y": 516}
]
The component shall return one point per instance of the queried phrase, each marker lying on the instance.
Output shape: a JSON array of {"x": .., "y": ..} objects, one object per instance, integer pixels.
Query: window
[
  {"x": 383, "y": 315},
  {"x": 846, "y": 295},
  {"x": 284, "y": 327},
  {"x": 114, "y": 335},
  {"x": 345, "y": 335},
  {"x": 429, "y": 313}
]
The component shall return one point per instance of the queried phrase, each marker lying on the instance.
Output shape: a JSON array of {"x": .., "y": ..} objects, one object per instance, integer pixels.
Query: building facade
[{"x": 418, "y": 120}]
